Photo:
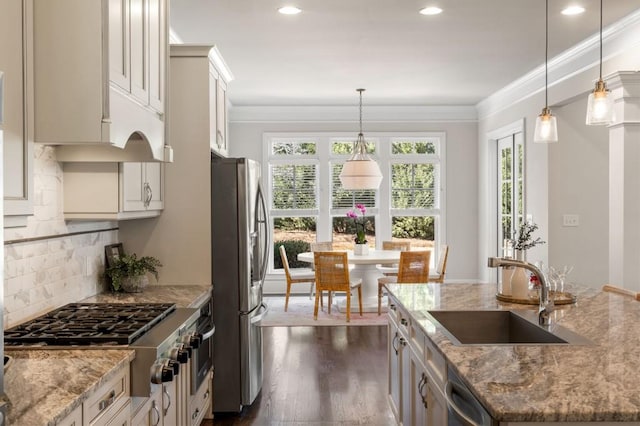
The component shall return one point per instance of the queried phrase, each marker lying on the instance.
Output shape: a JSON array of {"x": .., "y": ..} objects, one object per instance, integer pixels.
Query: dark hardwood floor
[{"x": 320, "y": 376}]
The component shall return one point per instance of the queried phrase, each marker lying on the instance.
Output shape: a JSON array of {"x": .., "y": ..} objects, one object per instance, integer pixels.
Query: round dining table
[{"x": 364, "y": 267}]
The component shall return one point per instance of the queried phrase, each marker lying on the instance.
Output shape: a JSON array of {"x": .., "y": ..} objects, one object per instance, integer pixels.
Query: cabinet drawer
[
  {"x": 418, "y": 339},
  {"x": 435, "y": 362},
  {"x": 393, "y": 310},
  {"x": 108, "y": 399},
  {"x": 200, "y": 403},
  {"x": 73, "y": 419}
]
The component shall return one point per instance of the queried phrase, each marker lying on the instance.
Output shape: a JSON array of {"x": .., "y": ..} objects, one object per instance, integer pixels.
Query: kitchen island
[{"x": 597, "y": 382}]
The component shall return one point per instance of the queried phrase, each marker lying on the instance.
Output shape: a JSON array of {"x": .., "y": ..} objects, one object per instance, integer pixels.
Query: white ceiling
[{"x": 322, "y": 55}]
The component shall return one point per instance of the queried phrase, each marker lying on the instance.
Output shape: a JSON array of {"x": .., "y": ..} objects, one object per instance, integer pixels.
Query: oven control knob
[
  {"x": 175, "y": 365},
  {"x": 180, "y": 353},
  {"x": 161, "y": 372},
  {"x": 193, "y": 340}
]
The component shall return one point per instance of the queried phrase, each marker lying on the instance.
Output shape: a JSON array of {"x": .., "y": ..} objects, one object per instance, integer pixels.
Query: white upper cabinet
[
  {"x": 207, "y": 89},
  {"x": 100, "y": 80},
  {"x": 16, "y": 64}
]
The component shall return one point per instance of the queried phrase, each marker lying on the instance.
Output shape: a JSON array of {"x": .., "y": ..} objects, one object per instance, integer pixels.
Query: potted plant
[
  {"x": 360, "y": 240},
  {"x": 127, "y": 272}
]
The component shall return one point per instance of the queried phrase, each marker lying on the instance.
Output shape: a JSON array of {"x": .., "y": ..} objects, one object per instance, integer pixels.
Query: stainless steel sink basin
[{"x": 502, "y": 328}]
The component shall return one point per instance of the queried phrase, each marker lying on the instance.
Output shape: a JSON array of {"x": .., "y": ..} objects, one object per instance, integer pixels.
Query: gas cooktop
[{"x": 89, "y": 324}]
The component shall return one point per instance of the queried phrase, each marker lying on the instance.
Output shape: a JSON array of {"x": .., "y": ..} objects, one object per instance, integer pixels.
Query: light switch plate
[{"x": 570, "y": 220}]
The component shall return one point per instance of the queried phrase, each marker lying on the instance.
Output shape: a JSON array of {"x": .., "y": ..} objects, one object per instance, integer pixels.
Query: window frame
[{"x": 382, "y": 212}]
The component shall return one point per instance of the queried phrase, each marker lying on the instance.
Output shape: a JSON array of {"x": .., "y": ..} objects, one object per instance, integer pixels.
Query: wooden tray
[{"x": 558, "y": 297}]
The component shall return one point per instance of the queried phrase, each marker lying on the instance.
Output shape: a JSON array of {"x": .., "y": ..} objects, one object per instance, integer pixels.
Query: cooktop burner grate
[{"x": 89, "y": 324}]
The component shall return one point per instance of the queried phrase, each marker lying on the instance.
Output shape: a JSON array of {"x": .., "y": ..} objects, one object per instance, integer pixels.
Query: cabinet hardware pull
[
  {"x": 403, "y": 341},
  {"x": 393, "y": 343},
  {"x": 195, "y": 414},
  {"x": 423, "y": 396},
  {"x": 392, "y": 307},
  {"x": 154, "y": 408},
  {"x": 404, "y": 321},
  {"x": 108, "y": 401},
  {"x": 166, "y": 409}
]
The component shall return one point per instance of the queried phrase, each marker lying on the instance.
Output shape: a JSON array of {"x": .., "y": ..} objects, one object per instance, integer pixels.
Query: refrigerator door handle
[
  {"x": 265, "y": 230},
  {"x": 259, "y": 315}
]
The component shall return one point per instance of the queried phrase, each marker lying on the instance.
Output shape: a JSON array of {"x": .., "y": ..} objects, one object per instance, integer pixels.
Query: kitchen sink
[{"x": 502, "y": 328}]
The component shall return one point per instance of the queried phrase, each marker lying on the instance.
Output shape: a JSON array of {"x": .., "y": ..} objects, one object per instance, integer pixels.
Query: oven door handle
[
  {"x": 259, "y": 315},
  {"x": 209, "y": 333}
]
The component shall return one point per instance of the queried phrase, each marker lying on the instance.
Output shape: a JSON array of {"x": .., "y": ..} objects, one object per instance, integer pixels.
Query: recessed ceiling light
[
  {"x": 431, "y": 10},
  {"x": 289, "y": 10},
  {"x": 573, "y": 10}
]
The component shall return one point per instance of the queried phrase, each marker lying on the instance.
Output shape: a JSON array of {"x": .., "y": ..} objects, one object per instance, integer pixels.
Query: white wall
[
  {"x": 461, "y": 171},
  {"x": 50, "y": 272},
  {"x": 570, "y": 176}
]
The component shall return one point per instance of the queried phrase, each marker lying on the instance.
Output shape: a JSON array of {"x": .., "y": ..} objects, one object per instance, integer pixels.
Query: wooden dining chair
[
  {"x": 391, "y": 269},
  {"x": 413, "y": 268},
  {"x": 619, "y": 290},
  {"x": 318, "y": 246},
  {"x": 332, "y": 274},
  {"x": 441, "y": 268},
  {"x": 294, "y": 277}
]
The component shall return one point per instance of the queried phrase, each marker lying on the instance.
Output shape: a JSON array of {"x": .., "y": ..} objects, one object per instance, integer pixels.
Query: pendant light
[
  {"x": 600, "y": 104},
  {"x": 360, "y": 171},
  {"x": 546, "y": 127}
]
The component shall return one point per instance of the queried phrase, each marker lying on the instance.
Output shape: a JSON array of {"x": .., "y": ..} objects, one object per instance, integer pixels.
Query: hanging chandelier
[
  {"x": 546, "y": 130},
  {"x": 600, "y": 103},
  {"x": 360, "y": 171}
]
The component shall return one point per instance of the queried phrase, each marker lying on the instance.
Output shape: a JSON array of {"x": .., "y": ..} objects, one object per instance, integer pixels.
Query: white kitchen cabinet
[
  {"x": 142, "y": 186},
  {"x": 106, "y": 404},
  {"x": 112, "y": 191},
  {"x": 105, "y": 61},
  {"x": 417, "y": 372},
  {"x": 199, "y": 404},
  {"x": 219, "y": 140},
  {"x": 170, "y": 401},
  {"x": 150, "y": 412},
  {"x": 73, "y": 419},
  {"x": 16, "y": 63}
]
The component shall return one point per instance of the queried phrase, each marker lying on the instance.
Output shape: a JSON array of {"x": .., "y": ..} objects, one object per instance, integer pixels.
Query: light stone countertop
[
  {"x": 590, "y": 383},
  {"x": 184, "y": 296},
  {"x": 44, "y": 386}
]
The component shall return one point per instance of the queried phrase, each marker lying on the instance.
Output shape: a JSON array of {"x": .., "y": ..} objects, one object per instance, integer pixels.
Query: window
[
  {"x": 307, "y": 202},
  {"x": 510, "y": 179}
]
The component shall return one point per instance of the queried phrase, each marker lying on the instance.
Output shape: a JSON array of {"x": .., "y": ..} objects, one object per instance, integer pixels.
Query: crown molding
[
  {"x": 618, "y": 38},
  {"x": 333, "y": 114}
]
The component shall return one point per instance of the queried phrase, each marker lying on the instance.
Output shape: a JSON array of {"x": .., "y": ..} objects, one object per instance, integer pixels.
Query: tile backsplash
[{"x": 51, "y": 262}]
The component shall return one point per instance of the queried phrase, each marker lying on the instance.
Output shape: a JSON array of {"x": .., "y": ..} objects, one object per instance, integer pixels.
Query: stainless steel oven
[{"x": 202, "y": 358}]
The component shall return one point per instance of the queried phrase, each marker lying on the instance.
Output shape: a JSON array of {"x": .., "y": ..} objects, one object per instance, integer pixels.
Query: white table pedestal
[{"x": 369, "y": 275}]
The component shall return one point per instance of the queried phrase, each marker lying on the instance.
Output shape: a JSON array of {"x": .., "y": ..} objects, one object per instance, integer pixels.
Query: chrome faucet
[{"x": 546, "y": 306}]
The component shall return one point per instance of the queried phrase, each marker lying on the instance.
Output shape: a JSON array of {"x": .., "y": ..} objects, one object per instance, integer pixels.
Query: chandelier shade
[{"x": 360, "y": 171}]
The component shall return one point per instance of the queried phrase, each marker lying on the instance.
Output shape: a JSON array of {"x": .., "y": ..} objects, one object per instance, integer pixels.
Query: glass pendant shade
[
  {"x": 360, "y": 171},
  {"x": 600, "y": 106},
  {"x": 546, "y": 128}
]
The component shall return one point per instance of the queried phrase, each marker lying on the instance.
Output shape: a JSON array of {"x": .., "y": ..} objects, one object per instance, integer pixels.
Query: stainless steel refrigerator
[{"x": 240, "y": 245}]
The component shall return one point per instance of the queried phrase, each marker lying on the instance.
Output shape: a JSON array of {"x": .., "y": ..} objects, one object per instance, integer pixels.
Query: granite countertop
[
  {"x": 42, "y": 387},
  {"x": 597, "y": 382},
  {"x": 184, "y": 296}
]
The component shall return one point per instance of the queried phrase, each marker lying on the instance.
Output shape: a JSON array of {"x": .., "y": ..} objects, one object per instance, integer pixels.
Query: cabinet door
[
  {"x": 15, "y": 62},
  {"x": 154, "y": 190},
  {"x": 150, "y": 414},
  {"x": 405, "y": 380},
  {"x": 170, "y": 401},
  {"x": 394, "y": 368},
  {"x": 157, "y": 53},
  {"x": 221, "y": 117},
  {"x": 139, "y": 43},
  {"x": 119, "y": 43},
  {"x": 213, "y": 108},
  {"x": 418, "y": 392},
  {"x": 134, "y": 191},
  {"x": 436, "y": 405}
]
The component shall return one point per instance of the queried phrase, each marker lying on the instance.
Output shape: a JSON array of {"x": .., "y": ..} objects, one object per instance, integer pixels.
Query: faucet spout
[{"x": 546, "y": 307}]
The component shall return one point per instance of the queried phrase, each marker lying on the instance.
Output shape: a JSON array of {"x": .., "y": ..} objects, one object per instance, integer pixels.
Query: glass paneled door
[{"x": 510, "y": 187}]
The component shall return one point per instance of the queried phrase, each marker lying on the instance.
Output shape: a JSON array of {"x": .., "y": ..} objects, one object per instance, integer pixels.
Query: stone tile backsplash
[{"x": 58, "y": 269}]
